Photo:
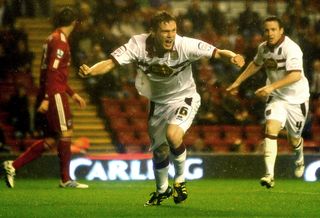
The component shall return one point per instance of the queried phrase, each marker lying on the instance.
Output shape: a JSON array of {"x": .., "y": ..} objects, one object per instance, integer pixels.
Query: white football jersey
[
  {"x": 285, "y": 57},
  {"x": 168, "y": 78}
]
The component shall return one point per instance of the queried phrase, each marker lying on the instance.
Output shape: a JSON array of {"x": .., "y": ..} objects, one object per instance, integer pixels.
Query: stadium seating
[{"x": 128, "y": 118}]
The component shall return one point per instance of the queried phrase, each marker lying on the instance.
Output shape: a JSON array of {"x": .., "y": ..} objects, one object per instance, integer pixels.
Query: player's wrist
[{"x": 85, "y": 74}]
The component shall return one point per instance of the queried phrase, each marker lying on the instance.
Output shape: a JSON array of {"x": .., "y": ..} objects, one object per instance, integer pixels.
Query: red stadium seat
[
  {"x": 119, "y": 123},
  {"x": 113, "y": 110},
  {"x": 135, "y": 110},
  {"x": 254, "y": 136},
  {"x": 211, "y": 131},
  {"x": 139, "y": 124},
  {"x": 190, "y": 138},
  {"x": 283, "y": 146},
  {"x": 232, "y": 134}
]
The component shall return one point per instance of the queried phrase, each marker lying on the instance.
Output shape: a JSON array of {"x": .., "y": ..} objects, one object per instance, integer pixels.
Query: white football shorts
[
  {"x": 291, "y": 116},
  {"x": 180, "y": 113}
]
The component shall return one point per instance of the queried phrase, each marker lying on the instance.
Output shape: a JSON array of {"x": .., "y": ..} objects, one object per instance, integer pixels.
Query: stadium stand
[{"x": 125, "y": 113}]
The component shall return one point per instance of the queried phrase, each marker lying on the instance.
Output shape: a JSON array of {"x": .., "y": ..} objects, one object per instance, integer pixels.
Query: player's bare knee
[
  {"x": 174, "y": 138},
  {"x": 49, "y": 143},
  {"x": 295, "y": 142},
  {"x": 67, "y": 134}
]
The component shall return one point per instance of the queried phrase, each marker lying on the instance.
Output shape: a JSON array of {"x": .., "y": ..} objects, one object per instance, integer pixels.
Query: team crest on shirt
[
  {"x": 270, "y": 64},
  {"x": 60, "y": 53},
  {"x": 160, "y": 70},
  {"x": 204, "y": 46}
]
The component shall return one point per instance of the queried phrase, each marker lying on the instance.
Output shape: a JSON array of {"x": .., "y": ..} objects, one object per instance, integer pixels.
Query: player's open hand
[
  {"x": 264, "y": 91},
  {"x": 238, "y": 60},
  {"x": 44, "y": 106},
  {"x": 233, "y": 88},
  {"x": 84, "y": 71},
  {"x": 81, "y": 102}
]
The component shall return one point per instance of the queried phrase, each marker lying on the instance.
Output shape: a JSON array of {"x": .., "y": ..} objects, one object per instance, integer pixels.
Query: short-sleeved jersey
[
  {"x": 278, "y": 61},
  {"x": 54, "y": 64},
  {"x": 167, "y": 78}
]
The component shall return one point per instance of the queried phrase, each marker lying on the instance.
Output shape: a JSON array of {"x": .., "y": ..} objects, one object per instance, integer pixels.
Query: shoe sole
[
  {"x": 158, "y": 203},
  {"x": 266, "y": 184},
  {"x": 179, "y": 201}
]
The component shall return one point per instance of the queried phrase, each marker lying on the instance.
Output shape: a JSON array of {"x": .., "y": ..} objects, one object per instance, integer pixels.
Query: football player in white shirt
[
  {"x": 287, "y": 93},
  {"x": 163, "y": 61}
]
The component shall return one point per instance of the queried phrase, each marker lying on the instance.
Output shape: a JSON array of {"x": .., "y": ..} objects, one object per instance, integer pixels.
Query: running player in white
[
  {"x": 287, "y": 93},
  {"x": 163, "y": 61}
]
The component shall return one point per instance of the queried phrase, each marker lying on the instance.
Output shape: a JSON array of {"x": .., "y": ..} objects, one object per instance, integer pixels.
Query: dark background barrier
[{"x": 214, "y": 166}]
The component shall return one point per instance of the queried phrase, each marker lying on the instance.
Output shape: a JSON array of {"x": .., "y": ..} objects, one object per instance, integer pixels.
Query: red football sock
[
  {"x": 32, "y": 153},
  {"x": 64, "y": 154}
]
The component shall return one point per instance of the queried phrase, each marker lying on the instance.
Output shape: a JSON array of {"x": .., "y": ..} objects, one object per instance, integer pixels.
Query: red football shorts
[{"x": 59, "y": 114}]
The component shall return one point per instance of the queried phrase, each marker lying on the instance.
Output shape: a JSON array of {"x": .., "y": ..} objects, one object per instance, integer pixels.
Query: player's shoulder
[
  {"x": 290, "y": 43},
  {"x": 58, "y": 37},
  {"x": 185, "y": 41},
  {"x": 140, "y": 38}
]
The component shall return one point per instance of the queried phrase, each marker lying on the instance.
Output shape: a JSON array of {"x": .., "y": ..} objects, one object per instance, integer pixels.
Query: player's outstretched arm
[
  {"x": 290, "y": 78},
  {"x": 251, "y": 69},
  {"x": 101, "y": 67},
  {"x": 234, "y": 58}
]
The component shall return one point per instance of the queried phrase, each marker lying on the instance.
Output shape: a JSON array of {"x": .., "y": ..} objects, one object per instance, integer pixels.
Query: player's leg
[
  {"x": 33, "y": 152},
  {"x": 297, "y": 144},
  {"x": 178, "y": 155},
  {"x": 60, "y": 122},
  {"x": 64, "y": 154},
  {"x": 160, "y": 167},
  {"x": 297, "y": 116},
  {"x": 179, "y": 123},
  {"x": 158, "y": 116},
  {"x": 275, "y": 114},
  {"x": 273, "y": 128}
]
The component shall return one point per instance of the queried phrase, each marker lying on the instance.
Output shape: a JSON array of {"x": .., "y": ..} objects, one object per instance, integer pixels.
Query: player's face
[
  {"x": 272, "y": 32},
  {"x": 165, "y": 34}
]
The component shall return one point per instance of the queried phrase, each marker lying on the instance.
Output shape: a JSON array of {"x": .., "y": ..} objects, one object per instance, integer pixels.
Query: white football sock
[
  {"x": 270, "y": 154},
  {"x": 299, "y": 151},
  {"x": 161, "y": 177},
  {"x": 179, "y": 165}
]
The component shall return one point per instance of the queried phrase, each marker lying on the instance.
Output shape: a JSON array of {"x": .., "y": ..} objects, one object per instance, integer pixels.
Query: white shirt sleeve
[
  {"x": 294, "y": 59},
  {"x": 127, "y": 53},
  {"x": 195, "y": 49}
]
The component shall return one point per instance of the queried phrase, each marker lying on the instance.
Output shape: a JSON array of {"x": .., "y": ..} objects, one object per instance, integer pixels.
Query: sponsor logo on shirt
[
  {"x": 119, "y": 51},
  {"x": 271, "y": 64},
  {"x": 160, "y": 70},
  {"x": 60, "y": 53}
]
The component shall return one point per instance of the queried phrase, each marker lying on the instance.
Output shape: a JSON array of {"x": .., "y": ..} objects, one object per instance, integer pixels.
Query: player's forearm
[
  {"x": 102, "y": 67},
  {"x": 227, "y": 54},
  {"x": 251, "y": 69},
  {"x": 287, "y": 80},
  {"x": 231, "y": 57}
]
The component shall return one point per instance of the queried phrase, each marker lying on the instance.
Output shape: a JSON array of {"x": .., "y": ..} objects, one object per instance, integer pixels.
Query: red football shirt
[{"x": 54, "y": 65}]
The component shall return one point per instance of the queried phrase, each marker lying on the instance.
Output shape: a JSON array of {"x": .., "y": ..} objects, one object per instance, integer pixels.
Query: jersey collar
[
  {"x": 151, "y": 48},
  {"x": 272, "y": 47}
]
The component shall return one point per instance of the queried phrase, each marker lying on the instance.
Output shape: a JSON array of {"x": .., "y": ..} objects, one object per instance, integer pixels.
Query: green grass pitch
[{"x": 207, "y": 198}]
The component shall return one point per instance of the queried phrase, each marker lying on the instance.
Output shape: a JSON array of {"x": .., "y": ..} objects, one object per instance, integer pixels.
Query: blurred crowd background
[{"x": 105, "y": 24}]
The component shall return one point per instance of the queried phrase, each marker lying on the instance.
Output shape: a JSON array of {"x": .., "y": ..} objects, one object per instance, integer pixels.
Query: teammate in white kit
[
  {"x": 287, "y": 90},
  {"x": 163, "y": 61}
]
